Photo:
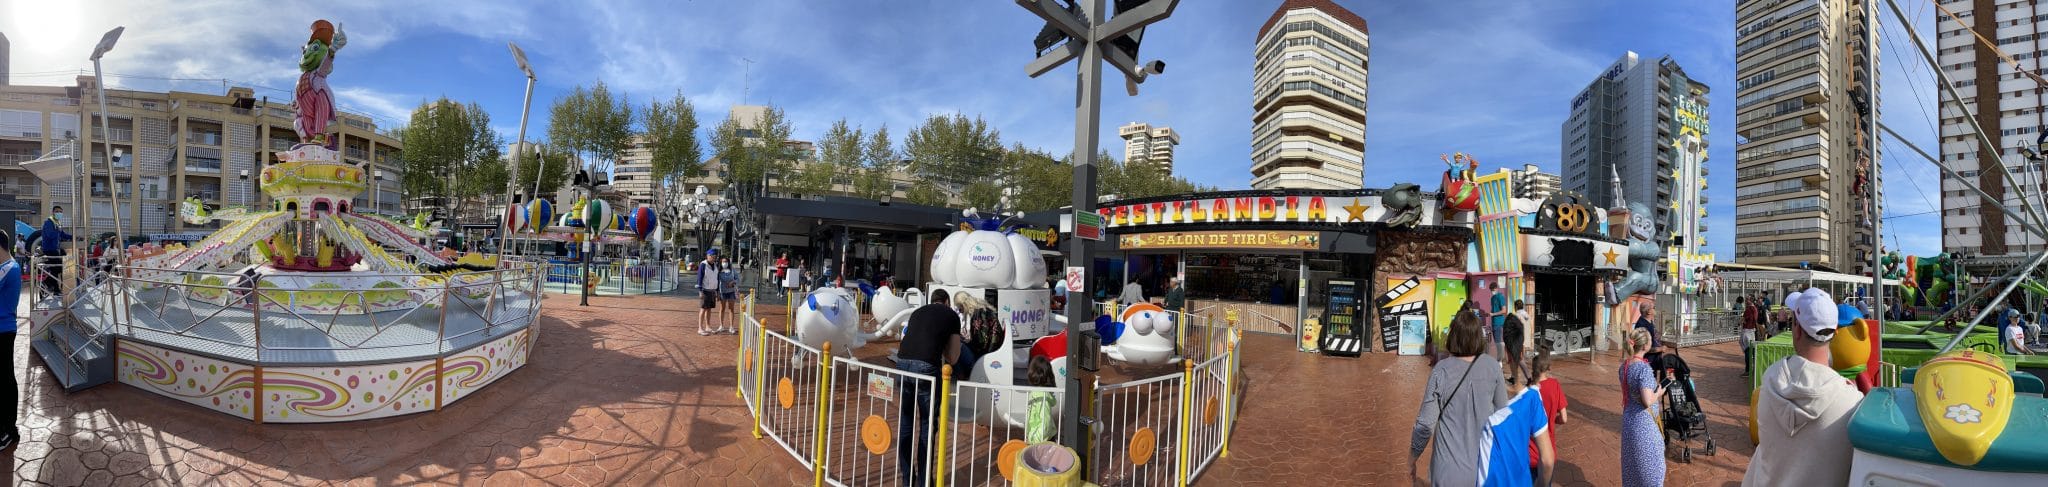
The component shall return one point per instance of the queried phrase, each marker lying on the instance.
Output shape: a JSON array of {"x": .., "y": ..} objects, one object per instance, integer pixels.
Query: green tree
[
  {"x": 593, "y": 124},
  {"x": 1042, "y": 182},
  {"x": 549, "y": 167},
  {"x": 983, "y": 195},
  {"x": 483, "y": 174},
  {"x": 452, "y": 154},
  {"x": 841, "y": 152},
  {"x": 925, "y": 194},
  {"x": 878, "y": 166},
  {"x": 671, "y": 138},
  {"x": 952, "y": 150}
]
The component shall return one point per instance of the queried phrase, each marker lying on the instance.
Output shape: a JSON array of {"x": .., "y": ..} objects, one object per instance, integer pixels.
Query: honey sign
[{"x": 1249, "y": 239}]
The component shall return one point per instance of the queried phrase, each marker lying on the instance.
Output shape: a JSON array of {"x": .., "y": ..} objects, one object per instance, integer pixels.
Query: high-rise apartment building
[
  {"x": 1801, "y": 156},
  {"x": 170, "y": 146},
  {"x": 1621, "y": 126},
  {"x": 1971, "y": 225},
  {"x": 1146, "y": 144},
  {"x": 1532, "y": 183},
  {"x": 1308, "y": 98}
]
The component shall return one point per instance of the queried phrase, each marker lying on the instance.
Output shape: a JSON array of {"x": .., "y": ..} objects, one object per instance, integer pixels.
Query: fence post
[
  {"x": 789, "y": 314},
  {"x": 1180, "y": 440},
  {"x": 939, "y": 423},
  {"x": 760, "y": 379},
  {"x": 824, "y": 403},
  {"x": 1229, "y": 394}
]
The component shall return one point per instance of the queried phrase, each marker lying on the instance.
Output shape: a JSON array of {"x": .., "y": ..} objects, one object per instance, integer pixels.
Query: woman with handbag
[{"x": 1463, "y": 391}]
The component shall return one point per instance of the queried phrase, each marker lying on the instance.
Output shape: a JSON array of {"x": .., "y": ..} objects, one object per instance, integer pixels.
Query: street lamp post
[
  {"x": 519, "y": 150},
  {"x": 100, "y": 89},
  {"x": 1094, "y": 39},
  {"x": 586, "y": 181}
]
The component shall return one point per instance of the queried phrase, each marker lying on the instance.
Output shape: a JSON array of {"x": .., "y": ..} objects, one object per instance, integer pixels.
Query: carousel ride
[
  {"x": 304, "y": 310},
  {"x": 987, "y": 258}
]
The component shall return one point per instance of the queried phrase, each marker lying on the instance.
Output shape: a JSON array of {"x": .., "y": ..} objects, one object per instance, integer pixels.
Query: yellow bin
[{"x": 1047, "y": 465}]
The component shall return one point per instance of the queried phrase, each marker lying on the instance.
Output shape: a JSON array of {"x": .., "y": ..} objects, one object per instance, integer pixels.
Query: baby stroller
[{"x": 1684, "y": 421}]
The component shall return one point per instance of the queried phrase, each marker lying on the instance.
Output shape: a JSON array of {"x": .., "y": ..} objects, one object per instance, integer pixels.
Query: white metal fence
[{"x": 846, "y": 419}]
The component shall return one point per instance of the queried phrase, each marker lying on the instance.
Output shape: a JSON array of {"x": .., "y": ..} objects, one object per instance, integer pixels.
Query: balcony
[
  {"x": 116, "y": 135},
  {"x": 10, "y": 160},
  {"x": 212, "y": 167},
  {"x": 355, "y": 153},
  {"x": 281, "y": 144},
  {"x": 203, "y": 138},
  {"x": 18, "y": 190}
]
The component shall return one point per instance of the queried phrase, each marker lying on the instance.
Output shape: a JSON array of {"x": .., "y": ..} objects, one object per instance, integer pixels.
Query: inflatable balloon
[
  {"x": 828, "y": 315},
  {"x": 598, "y": 215}
]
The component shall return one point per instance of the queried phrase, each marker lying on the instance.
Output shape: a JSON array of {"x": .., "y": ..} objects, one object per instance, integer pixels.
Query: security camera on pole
[{"x": 1079, "y": 30}]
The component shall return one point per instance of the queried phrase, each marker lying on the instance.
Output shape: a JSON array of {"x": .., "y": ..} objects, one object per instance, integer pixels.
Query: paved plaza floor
[{"x": 625, "y": 392}]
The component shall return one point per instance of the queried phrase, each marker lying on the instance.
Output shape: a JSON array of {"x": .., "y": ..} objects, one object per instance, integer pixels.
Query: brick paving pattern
[{"x": 625, "y": 392}]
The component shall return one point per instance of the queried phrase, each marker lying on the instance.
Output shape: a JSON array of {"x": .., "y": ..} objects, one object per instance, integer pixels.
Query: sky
[{"x": 1492, "y": 78}]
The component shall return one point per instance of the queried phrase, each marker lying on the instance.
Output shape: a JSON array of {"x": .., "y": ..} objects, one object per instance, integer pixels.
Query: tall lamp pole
[
  {"x": 1093, "y": 38},
  {"x": 100, "y": 88},
  {"x": 518, "y": 151}
]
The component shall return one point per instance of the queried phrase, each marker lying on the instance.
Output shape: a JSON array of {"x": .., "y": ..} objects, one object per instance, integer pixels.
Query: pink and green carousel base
[{"x": 319, "y": 394}]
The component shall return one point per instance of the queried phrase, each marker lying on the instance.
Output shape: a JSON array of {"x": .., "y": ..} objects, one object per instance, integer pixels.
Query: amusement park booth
[
  {"x": 862, "y": 238},
  {"x": 1293, "y": 262}
]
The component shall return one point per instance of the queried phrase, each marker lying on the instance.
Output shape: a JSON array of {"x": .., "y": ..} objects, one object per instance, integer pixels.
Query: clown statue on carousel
[{"x": 312, "y": 99}]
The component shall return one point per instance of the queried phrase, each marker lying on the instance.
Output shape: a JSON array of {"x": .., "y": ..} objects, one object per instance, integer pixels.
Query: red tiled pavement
[
  {"x": 1308, "y": 419},
  {"x": 626, "y": 392}
]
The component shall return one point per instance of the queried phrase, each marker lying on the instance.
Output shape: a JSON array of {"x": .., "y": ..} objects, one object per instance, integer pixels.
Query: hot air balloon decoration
[
  {"x": 540, "y": 212},
  {"x": 643, "y": 222}
]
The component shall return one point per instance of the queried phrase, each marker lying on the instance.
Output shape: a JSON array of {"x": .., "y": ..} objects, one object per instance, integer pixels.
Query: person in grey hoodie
[
  {"x": 1802, "y": 414},
  {"x": 1463, "y": 391}
]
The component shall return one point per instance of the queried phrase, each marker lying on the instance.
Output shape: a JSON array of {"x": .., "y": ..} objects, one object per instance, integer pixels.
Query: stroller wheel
[
  {"x": 1685, "y": 455},
  {"x": 1710, "y": 447}
]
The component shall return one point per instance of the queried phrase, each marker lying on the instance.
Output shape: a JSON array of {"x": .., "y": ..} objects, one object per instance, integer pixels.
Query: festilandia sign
[
  {"x": 1250, "y": 239},
  {"x": 1270, "y": 208}
]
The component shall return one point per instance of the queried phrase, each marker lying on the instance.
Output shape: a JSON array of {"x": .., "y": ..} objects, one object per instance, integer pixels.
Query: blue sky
[{"x": 1491, "y": 78}]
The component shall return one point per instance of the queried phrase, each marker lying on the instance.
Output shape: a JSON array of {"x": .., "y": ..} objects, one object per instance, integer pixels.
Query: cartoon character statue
[
  {"x": 828, "y": 315},
  {"x": 1460, "y": 186},
  {"x": 1150, "y": 337},
  {"x": 1404, "y": 205},
  {"x": 311, "y": 98},
  {"x": 1642, "y": 254}
]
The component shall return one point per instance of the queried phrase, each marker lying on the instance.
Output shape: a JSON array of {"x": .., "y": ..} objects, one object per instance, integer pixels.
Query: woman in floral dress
[{"x": 1642, "y": 445}]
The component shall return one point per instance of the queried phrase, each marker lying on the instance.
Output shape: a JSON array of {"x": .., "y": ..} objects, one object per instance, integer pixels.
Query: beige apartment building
[
  {"x": 1988, "y": 238},
  {"x": 1801, "y": 147},
  {"x": 1308, "y": 98},
  {"x": 1146, "y": 144},
  {"x": 171, "y": 145}
]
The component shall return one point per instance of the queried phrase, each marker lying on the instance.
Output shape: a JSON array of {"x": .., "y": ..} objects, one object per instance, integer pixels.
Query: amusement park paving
[{"x": 625, "y": 392}]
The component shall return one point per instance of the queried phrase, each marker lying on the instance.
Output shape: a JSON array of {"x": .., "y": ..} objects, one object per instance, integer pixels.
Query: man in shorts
[{"x": 707, "y": 290}]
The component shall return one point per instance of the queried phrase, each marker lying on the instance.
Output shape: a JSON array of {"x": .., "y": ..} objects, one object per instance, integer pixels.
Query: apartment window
[{"x": 21, "y": 123}]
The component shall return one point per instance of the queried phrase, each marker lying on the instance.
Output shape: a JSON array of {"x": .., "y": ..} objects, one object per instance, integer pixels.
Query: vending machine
[{"x": 1343, "y": 323}]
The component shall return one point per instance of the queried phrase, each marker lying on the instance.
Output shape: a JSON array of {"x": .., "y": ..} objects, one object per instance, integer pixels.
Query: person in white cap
[{"x": 1802, "y": 414}]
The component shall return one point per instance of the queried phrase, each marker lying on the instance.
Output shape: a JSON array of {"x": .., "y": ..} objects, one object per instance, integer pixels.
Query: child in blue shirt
[{"x": 1509, "y": 435}]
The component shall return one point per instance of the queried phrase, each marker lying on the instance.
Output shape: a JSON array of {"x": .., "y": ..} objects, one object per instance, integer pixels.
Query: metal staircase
[{"x": 74, "y": 344}]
